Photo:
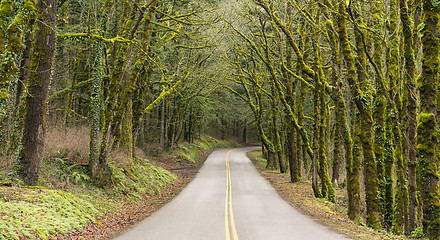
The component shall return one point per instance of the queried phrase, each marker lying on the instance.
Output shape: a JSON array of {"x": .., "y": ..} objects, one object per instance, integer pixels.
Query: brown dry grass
[
  {"x": 70, "y": 143},
  {"x": 333, "y": 215},
  {"x": 73, "y": 144}
]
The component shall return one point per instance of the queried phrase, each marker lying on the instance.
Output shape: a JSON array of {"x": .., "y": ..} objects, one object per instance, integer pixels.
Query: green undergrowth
[
  {"x": 140, "y": 178},
  {"x": 67, "y": 200},
  {"x": 30, "y": 213},
  {"x": 257, "y": 156},
  {"x": 194, "y": 152}
]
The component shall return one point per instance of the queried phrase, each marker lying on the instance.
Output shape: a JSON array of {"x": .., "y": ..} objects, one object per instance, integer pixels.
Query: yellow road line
[{"x": 228, "y": 203}]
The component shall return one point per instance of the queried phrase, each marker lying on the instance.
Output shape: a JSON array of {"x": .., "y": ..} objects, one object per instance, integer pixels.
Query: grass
[
  {"x": 67, "y": 200},
  {"x": 194, "y": 152},
  {"x": 39, "y": 212},
  {"x": 140, "y": 178}
]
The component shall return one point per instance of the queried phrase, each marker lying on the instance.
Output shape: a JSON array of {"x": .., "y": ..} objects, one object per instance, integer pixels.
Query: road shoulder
[{"x": 300, "y": 195}]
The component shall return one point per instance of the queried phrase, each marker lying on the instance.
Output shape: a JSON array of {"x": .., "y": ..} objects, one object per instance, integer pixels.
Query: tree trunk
[
  {"x": 336, "y": 155},
  {"x": 315, "y": 186},
  {"x": 244, "y": 132},
  {"x": 354, "y": 172},
  {"x": 18, "y": 117},
  {"x": 427, "y": 123},
  {"x": 410, "y": 97},
  {"x": 95, "y": 111},
  {"x": 379, "y": 106},
  {"x": 31, "y": 155},
  {"x": 363, "y": 105},
  {"x": 326, "y": 185}
]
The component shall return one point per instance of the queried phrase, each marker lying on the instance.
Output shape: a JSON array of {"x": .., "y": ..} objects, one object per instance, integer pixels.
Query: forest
[{"x": 341, "y": 93}]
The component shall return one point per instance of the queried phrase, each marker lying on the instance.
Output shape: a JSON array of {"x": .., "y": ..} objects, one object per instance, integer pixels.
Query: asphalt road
[{"x": 228, "y": 200}]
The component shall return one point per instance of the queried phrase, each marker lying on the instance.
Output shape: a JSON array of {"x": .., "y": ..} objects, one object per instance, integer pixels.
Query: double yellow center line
[{"x": 229, "y": 215}]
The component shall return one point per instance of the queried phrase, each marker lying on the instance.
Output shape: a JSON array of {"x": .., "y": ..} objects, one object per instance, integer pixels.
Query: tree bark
[
  {"x": 95, "y": 112},
  {"x": 410, "y": 96},
  {"x": 362, "y": 100},
  {"x": 31, "y": 155},
  {"x": 427, "y": 133}
]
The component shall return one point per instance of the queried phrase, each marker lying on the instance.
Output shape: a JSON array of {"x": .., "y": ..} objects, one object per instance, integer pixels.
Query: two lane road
[{"x": 228, "y": 200}]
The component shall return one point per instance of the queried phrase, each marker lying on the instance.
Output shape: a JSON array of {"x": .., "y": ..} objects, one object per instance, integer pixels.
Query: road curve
[{"x": 228, "y": 200}]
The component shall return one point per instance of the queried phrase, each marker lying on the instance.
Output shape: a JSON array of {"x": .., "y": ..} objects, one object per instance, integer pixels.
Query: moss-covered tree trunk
[
  {"x": 291, "y": 144},
  {"x": 12, "y": 50},
  {"x": 327, "y": 189},
  {"x": 11, "y": 42},
  {"x": 326, "y": 185},
  {"x": 278, "y": 158},
  {"x": 336, "y": 95},
  {"x": 427, "y": 126},
  {"x": 342, "y": 129},
  {"x": 19, "y": 105},
  {"x": 354, "y": 168},
  {"x": 31, "y": 154},
  {"x": 6, "y": 8},
  {"x": 118, "y": 87},
  {"x": 401, "y": 209},
  {"x": 362, "y": 99},
  {"x": 315, "y": 159},
  {"x": 400, "y": 215},
  {"x": 388, "y": 181},
  {"x": 410, "y": 96},
  {"x": 291, "y": 136},
  {"x": 95, "y": 111},
  {"x": 336, "y": 155},
  {"x": 379, "y": 104},
  {"x": 96, "y": 95},
  {"x": 300, "y": 146}
]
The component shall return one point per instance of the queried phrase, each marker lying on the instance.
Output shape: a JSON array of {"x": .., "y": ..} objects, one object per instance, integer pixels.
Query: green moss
[
  {"x": 6, "y": 7},
  {"x": 139, "y": 179},
  {"x": 427, "y": 133},
  {"x": 39, "y": 213}
]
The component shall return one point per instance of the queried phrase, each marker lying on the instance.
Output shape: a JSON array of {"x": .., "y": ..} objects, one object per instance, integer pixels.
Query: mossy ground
[
  {"x": 66, "y": 205},
  {"x": 193, "y": 152},
  {"x": 29, "y": 213}
]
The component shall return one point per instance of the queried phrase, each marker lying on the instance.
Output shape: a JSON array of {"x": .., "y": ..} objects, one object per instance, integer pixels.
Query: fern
[{"x": 40, "y": 213}]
